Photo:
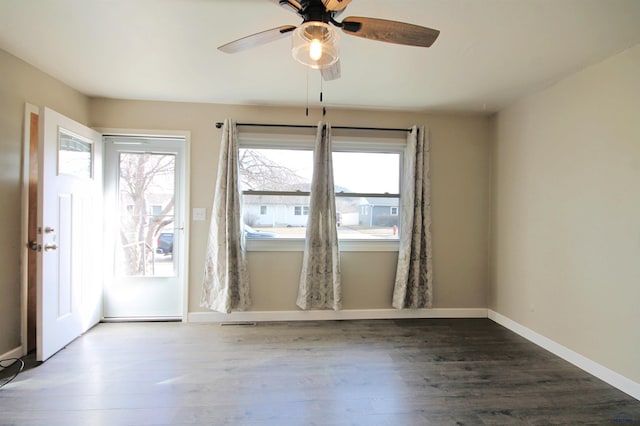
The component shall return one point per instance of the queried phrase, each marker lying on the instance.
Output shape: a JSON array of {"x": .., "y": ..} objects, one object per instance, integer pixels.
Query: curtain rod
[{"x": 305, "y": 126}]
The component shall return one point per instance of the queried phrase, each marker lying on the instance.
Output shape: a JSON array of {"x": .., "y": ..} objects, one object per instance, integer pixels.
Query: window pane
[
  {"x": 74, "y": 155},
  {"x": 276, "y": 169},
  {"x": 366, "y": 172},
  {"x": 286, "y": 216},
  {"x": 146, "y": 186},
  {"x": 367, "y": 218}
]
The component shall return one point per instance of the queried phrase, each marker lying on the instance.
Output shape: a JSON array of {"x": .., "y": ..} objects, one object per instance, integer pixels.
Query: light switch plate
[{"x": 199, "y": 213}]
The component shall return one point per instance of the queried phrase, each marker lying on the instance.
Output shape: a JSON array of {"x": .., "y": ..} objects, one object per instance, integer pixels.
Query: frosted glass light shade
[{"x": 315, "y": 44}]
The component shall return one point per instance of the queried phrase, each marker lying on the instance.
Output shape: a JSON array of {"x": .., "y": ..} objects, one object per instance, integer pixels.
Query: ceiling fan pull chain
[
  {"x": 307, "y": 110},
  {"x": 324, "y": 110}
]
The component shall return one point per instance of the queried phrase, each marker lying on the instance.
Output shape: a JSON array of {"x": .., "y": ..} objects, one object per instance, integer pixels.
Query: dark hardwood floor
[{"x": 404, "y": 372}]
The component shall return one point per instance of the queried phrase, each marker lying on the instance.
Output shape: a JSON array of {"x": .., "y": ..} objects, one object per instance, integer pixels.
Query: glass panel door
[{"x": 144, "y": 198}]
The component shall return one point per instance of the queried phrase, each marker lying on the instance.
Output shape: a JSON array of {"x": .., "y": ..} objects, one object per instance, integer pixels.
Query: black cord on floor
[{"x": 3, "y": 367}]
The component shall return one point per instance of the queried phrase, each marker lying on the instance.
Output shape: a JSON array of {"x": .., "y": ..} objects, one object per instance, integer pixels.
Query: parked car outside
[
  {"x": 165, "y": 239},
  {"x": 249, "y": 232},
  {"x": 165, "y": 243}
]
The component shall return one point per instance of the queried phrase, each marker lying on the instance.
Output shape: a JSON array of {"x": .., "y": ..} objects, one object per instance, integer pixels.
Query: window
[
  {"x": 277, "y": 172},
  {"x": 371, "y": 181},
  {"x": 301, "y": 210},
  {"x": 75, "y": 155}
]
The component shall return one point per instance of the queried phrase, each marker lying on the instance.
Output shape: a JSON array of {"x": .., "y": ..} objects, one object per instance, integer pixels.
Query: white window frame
[
  {"x": 304, "y": 210},
  {"x": 342, "y": 141}
]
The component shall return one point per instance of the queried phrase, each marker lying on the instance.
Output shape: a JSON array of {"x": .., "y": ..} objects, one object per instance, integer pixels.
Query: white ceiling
[{"x": 489, "y": 53}]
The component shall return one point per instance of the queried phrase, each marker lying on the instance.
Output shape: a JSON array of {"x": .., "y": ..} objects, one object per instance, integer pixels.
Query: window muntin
[{"x": 367, "y": 186}]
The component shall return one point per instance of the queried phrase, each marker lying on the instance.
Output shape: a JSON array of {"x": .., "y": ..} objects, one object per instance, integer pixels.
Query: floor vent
[{"x": 239, "y": 323}]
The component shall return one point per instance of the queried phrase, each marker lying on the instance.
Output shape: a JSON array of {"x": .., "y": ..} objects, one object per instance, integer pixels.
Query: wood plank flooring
[{"x": 402, "y": 372}]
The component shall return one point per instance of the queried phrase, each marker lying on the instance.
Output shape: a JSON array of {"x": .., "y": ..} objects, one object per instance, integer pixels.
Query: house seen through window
[
  {"x": 301, "y": 210},
  {"x": 276, "y": 184}
]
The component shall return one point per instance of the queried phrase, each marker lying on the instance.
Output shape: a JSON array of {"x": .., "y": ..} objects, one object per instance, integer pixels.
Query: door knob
[
  {"x": 33, "y": 245},
  {"x": 49, "y": 247}
]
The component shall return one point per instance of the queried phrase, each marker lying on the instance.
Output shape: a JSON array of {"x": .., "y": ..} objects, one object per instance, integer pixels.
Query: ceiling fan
[{"x": 314, "y": 42}]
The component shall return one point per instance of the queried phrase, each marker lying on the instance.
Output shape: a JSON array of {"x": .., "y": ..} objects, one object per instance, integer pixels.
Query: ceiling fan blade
[
  {"x": 336, "y": 5},
  {"x": 389, "y": 31},
  {"x": 292, "y": 5},
  {"x": 332, "y": 72},
  {"x": 257, "y": 39}
]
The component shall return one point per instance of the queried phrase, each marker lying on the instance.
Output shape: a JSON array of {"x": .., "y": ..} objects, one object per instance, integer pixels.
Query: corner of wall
[{"x": 492, "y": 119}]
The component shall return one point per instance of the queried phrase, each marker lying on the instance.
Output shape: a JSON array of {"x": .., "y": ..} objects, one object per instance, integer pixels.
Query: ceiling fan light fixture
[{"x": 315, "y": 44}]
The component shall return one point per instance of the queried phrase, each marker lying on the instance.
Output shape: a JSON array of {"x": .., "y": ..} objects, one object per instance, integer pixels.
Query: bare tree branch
[{"x": 260, "y": 172}]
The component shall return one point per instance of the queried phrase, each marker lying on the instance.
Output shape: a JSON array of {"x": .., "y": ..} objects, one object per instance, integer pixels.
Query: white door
[
  {"x": 69, "y": 278},
  {"x": 144, "y": 201}
]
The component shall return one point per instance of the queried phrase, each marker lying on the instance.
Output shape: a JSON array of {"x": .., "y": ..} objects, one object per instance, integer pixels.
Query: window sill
[{"x": 297, "y": 245}]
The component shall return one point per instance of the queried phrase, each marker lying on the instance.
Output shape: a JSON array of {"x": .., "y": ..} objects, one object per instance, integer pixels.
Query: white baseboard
[
  {"x": 351, "y": 314},
  {"x": 13, "y": 353},
  {"x": 616, "y": 380}
]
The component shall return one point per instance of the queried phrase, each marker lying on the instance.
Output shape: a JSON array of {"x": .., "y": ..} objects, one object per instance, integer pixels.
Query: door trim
[
  {"x": 186, "y": 134},
  {"x": 24, "y": 223}
]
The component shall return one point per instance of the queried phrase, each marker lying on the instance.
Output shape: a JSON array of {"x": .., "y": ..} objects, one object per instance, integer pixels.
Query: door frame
[
  {"x": 108, "y": 131},
  {"x": 24, "y": 226}
]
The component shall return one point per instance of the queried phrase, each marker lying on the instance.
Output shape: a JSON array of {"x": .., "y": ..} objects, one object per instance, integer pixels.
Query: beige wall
[
  {"x": 20, "y": 83},
  {"x": 460, "y": 173},
  {"x": 565, "y": 258},
  {"x": 461, "y": 149},
  {"x": 564, "y": 211}
]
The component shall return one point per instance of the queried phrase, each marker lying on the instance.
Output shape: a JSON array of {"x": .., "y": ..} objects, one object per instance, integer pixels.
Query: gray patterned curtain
[
  {"x": 226, "y": 279},
  {"x": 320, "y": 286},
  {"x": 414, "y": 275}
]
